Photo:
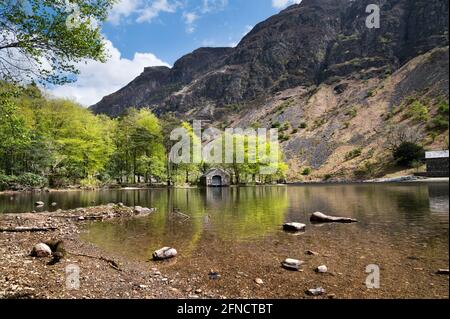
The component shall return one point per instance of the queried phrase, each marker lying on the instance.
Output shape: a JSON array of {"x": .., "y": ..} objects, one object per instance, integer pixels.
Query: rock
[
  {"x": 81, "y": 218},
  {"x": 442, "y": 272},
  {"x": 198, "y": 291},
  {"x": 164, "y": 253},
  {"x": 54, "y": 204},
  {"x": 316, "y": 291},
  {"x": 292, "y": 264},
  {"x": 322, "y": 269},
  {"x": 259, "y": 281},
  {"x": 39, "y": 204},
  {"x": 138, "y": 210},
  {"x": 319, "y": 217},
  {"x": 41, "y": 250},
  {"x": 214, "y": 275},
  {"x": 294, "y": 227},
  {"x": 312, "y": 253}
]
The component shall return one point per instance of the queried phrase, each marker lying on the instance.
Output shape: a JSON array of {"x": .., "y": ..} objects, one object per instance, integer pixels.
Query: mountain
[{"x": 316, "y": 70}]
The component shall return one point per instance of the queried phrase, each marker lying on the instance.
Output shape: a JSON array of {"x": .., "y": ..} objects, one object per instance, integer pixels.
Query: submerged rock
[
  {"x": 54, "y": 204},
  {"x": 39, "y": 204},
  {"x": 294, "y": 227},
  {"x": 292, "y": 264},
  {"x": 319, "y": 217},
  {"x": 316, "y": 291},
  {"x": 41, "y": 250},
  {"x": 164, "y": 253},
  {"x": 142, "y": 210}
]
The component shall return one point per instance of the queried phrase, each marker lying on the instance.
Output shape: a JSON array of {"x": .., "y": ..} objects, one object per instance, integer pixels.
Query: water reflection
[{"x": 399, "y": 212}]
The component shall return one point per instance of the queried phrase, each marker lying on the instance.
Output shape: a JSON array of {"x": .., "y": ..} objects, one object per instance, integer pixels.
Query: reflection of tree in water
[{"x": 228, "y": 213}]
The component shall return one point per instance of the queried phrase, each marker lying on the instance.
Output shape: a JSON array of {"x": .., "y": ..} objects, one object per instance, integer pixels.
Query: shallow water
[{"x": 402, "y": 228}]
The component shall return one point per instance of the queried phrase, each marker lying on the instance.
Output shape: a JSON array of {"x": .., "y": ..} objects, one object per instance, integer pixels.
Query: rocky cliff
[{"x": 316, "y": 70}]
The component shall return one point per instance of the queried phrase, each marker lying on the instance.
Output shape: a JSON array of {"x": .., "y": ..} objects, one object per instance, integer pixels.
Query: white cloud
[
  {"x": 189, "y": 19},
  {"x": 279, "y": 4},
  {"x": 213, "y": 5},
  {"x": 123, "y": 9},
  {"x": 97, "y": 80},
  {"x": 141, "y": 10},
  {"x": 151, "y": 11}
]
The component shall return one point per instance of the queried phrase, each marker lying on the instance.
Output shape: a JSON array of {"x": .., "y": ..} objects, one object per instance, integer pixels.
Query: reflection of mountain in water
[{"x": 438, "y": 195}]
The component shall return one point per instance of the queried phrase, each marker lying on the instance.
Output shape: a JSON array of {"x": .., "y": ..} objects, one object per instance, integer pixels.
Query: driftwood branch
[
  {"x": 27, "y": 229},
  {"x": 110, "y": 262}
]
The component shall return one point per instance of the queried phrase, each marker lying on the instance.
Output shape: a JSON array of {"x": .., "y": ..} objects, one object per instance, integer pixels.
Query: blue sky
[{"x": 142, "y": 33}]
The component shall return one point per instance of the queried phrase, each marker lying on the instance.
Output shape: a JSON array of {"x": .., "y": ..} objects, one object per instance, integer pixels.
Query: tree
[
  {"x": 408, "y": 153},
  {"x": 42, "y": 40}
]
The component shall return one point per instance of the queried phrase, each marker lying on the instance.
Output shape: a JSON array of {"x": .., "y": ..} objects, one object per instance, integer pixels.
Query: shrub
[
  {"x": 418, "y": 111},
  {"x": 407, "y": 153},
  {"x": 276, "y": 125},
  {"x": 32, "y": 180},
  {"x": 439, "y": 123},
  {"x": 303, "y": 125},
  {"x": 327, "y": 177},
  {"x": 353, "y": 154},
  {"x": 306, "y": 171}
]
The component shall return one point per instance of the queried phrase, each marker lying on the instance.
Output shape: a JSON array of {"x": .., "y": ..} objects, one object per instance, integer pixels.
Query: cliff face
[
  {"x": 336, "y": 87},
  {"x": 304, "y": 45}
]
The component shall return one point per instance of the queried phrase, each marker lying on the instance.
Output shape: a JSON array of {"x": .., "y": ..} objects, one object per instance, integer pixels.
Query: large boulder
[
  {"x": 164, "y": 253},
  {"x": 41, "y": 250}
]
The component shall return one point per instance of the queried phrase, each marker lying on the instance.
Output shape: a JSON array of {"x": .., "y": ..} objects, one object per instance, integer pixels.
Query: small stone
[
  {"x": 164, "y": 253},
  {"x": 331, "y": 296},
  {"x": 292, "y": 264},
  {"x": 41, "y": 250},
  {"x": 312, "y": 253},
  {"x": 39, "y": 204},
  {"x": 198, "y": 291},
  {"x": 143, "y": 286},
  {"x": 81, "y": 218},
  {"x": 213, "y": 275},
  {"x": 259, "y": 281},
  {"x": 54, "y": 204},
  {"x": 296, "y": 227},
  {"x": 316, "y": 291},
  {"x": 322, "y": 269}
]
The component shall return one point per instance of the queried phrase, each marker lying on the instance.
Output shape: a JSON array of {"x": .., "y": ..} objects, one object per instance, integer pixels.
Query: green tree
[{"x": 43, "y": 40}]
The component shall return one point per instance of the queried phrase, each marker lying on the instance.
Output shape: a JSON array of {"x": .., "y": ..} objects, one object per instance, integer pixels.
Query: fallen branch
[
  {"x": 27, "y": 229},
  {"x": 110, "y": 262}
]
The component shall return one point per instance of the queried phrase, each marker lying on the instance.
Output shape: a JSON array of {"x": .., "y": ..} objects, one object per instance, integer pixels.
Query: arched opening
[{"x": 216, "y": 181}]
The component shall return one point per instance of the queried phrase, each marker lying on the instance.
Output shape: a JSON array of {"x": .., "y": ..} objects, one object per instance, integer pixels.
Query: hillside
[{"x": 336, "y": 88}]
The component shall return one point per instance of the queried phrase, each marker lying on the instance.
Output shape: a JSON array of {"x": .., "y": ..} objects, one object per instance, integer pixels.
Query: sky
[{"x": 143, "y": 33}]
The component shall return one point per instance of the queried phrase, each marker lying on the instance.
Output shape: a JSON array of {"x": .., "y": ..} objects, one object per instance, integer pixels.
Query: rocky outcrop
[{"x": 304, "y": 45}]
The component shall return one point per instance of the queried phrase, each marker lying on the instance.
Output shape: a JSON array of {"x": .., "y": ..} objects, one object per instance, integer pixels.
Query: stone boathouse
[
  {"x": 215, "y": 178},
  {"x": 437, "y": 163}
]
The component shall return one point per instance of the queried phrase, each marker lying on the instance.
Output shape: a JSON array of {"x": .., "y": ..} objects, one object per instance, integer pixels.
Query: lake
[{"x": 403, "y": 228}]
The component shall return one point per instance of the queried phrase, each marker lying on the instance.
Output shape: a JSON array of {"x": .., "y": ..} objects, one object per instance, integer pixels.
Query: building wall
[{"x": 437, "y": 167}]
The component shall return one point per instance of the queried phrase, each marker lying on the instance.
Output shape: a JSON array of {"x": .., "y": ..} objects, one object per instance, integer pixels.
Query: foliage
[
  {"x": 418, "y": 111},
  {"x": 353, "y": 154},
  {"x": 408, "y": 153},
  {"x": 306, "y": 171},
  {"x": 43, "y": 40}
]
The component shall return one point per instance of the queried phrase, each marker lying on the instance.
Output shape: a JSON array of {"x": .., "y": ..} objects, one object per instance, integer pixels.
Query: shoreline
[
  {"x": 401, "y": 179},
  {"x": 24, "y": 276}
]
